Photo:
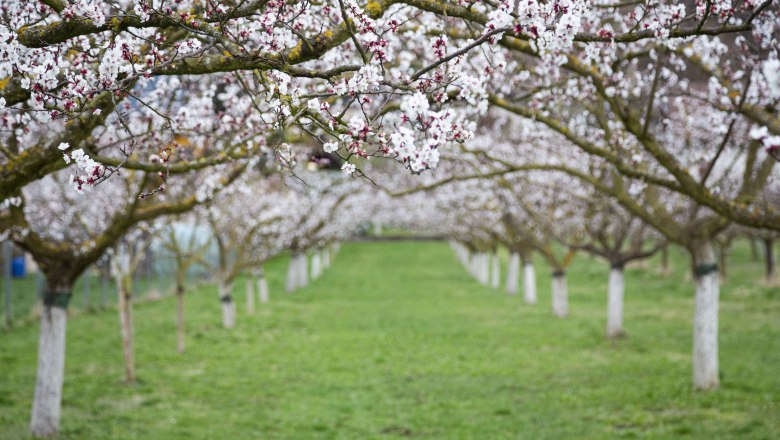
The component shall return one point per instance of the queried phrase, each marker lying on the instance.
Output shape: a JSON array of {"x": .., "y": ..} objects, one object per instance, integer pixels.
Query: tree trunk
[
  {"x": 484, "y": 268},
  {"x": 560, "y": 294},
  {"x": 180, "y": 328},
  {"x": 705, "y": 319},
  {"x": 495, "y": 272},
  {"x": 753, "y": 249},
  {"x": 126, "y": 326},
  {"x": 40, "y": 286},
  {"x": 228, "y": 306},
  {"x": 615, "y": 302},
  {"x": 529, "y": 282},
  {"x": 513, "y": 273},
  {"x": 769, "y": 259},
  {"x": 479, "y": 267},
  {"x": 250, "y": 297},
  {"x": 316, "y": 265},
  {"x": 291, "y": 284},
  {"x": 262, "y": 289},
  {"x": 104, "y": 286},
  {"x": 45, "y": 419},
  {"x": 303, "y": 270},
  {"x": 665, "y": 268},
  {"x": 723, "y": 252},
  {"x": 325, "y": 258},
  {"x": 463, "y": 255}
]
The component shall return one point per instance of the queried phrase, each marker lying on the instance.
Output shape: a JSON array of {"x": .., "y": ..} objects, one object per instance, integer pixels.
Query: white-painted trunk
[
  {"x": 228, "y": 314},
  {"x": 262, "y": 289},
  {"x": 560, "y": 295},
  {"x": 465, "y": 256},
  {"x": 291, "y": 284},
  {"x": 513, "y": 274},
  {"x": 495, "y": 272},
  {"x": 484, "y": 268},
  {"x": 250, "y": 297},
  {"x": 705, "y": 319},
  {"x": 316, "y": 266},
  {"x": 460, "y": 252},
  {"x": 479, "y": 267},
  {"x": 529, "y": 283},
  {"x": 325, "y": 258},
  {"x": 615, "y": 303},
  {"x": 228, "y": 306},
  {"x": 303, "y": 271},
  {"x": 45, "y": 420}
]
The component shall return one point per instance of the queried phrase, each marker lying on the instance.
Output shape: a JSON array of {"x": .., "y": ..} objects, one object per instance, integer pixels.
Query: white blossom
[
  {"x": 348, "y": 168},
  {"x": 330, "y": 147}
]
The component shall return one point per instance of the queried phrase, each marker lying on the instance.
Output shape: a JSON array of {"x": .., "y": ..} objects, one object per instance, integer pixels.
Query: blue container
[{"x": 18, "y": 269}]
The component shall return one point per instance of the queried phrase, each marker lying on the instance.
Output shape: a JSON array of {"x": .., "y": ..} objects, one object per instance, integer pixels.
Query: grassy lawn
[{"x": 396, "y": 341}]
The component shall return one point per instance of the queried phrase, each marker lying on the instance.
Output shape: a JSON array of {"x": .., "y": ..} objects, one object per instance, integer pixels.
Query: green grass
[{"x": 397, "y": 341}]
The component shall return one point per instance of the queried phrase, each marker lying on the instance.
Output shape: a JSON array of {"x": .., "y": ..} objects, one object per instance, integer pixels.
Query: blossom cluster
[{"x": 93, "y": 172}]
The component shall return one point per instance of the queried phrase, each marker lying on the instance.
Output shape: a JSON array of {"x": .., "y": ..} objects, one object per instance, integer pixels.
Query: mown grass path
[{"x": 397, "y": 341}]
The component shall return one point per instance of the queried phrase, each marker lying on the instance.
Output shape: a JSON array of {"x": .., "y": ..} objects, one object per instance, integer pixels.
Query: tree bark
[
  {"x": 228, "y": 306},
  {"x": 615, "y": 302},
  {"x": 126, "y": 326},
  {"x": 705, "y": 320},
  {"x": 250, "y": 297},
  {"x": 560, "y": 294},
  {"x": 769, "y": 259},
  {"x": 325, "y": 258},
  {"x": 180, "y": 323},
  {"x": 513, "y": 273},
  {"x": 47, "y": 402},
  {"x": 529, "y": 283}
]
